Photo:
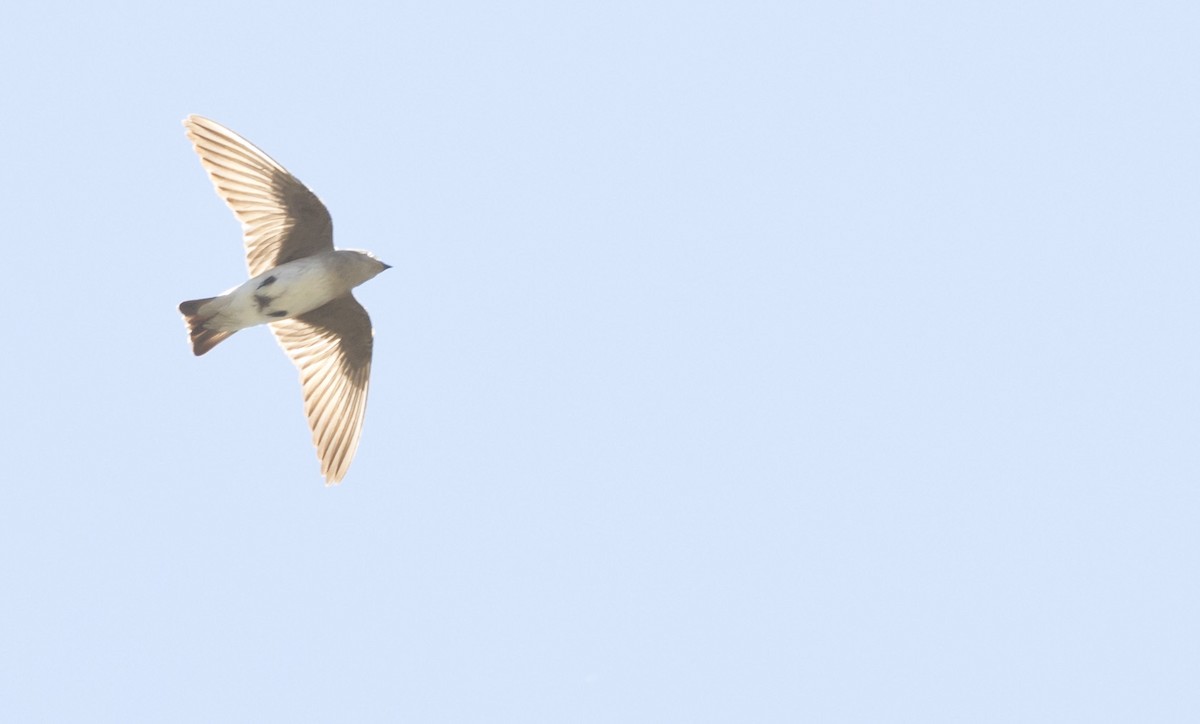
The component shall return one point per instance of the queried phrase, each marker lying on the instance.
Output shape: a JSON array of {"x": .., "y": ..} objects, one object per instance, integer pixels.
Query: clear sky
[{"x": 741, "y": 362}]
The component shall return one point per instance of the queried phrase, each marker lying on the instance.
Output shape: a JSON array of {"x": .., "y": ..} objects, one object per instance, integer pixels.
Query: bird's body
[
  {"x": 300, "y": 285},
  {"x": 288, "y": 290}
]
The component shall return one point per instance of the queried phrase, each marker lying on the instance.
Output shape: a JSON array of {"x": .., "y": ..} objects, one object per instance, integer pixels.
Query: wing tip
[{"x": 192, "y": 120}]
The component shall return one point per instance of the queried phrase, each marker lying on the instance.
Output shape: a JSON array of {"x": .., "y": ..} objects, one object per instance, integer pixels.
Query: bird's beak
[{"x": 386, "y": 266}]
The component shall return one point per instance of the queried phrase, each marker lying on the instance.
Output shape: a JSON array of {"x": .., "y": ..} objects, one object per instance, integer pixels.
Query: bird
[{"x": 299, "y": 285}]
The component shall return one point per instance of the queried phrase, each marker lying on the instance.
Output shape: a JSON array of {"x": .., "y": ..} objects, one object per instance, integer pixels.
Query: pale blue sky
[{"x": 741, "y": 362}]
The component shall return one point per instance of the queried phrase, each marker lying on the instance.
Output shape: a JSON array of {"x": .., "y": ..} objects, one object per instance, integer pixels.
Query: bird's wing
[
  {"x": 281, "y": 219},
  {"x": 331, "y": 346}
]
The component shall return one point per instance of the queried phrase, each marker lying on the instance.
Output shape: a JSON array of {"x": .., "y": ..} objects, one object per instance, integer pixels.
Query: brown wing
[
  {"x": 331, "y": 346},
  {"x": 281, "y": 219}
]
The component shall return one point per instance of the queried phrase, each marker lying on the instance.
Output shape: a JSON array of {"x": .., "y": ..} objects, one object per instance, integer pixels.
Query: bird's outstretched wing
[
  {"x": 331, "y": 346},
  {"x": 281, "y": 219}
]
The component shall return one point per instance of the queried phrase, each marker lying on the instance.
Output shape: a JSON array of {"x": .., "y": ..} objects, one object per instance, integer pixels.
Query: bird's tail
[{"x": 194, "y": 313}]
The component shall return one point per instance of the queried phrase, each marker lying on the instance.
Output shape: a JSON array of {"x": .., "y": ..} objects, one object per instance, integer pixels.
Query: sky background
[{"x": 741, "y": 362}]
